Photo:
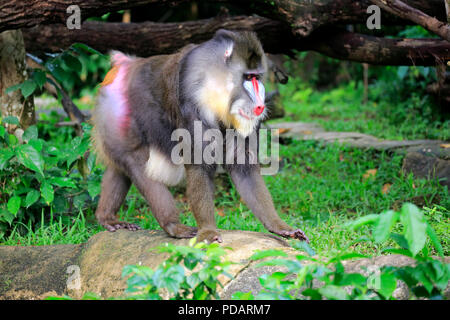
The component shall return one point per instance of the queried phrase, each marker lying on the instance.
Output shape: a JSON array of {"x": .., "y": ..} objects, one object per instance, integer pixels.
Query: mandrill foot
[
  {"x": 294, "y": 234},
  {"x": 116, "y": 225}
]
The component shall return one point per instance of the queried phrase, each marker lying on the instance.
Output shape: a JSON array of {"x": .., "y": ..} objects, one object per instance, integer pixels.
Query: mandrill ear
[
  {"x": 227, "y": 37},
  {"x": 223, "y": 34}
]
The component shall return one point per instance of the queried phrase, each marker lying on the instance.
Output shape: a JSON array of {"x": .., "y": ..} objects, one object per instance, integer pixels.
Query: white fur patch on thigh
[{"x": 160, "y": 168}]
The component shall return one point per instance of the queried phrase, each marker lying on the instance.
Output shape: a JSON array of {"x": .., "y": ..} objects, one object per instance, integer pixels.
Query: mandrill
[{"x": 142, "y": 101}]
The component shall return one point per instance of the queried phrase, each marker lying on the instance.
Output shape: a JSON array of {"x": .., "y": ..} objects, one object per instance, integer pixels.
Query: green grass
[{"x": 53, "y": 231}]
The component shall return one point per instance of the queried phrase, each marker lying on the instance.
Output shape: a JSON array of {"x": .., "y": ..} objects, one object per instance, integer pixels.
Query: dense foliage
[{"x": 50, "y": 173}]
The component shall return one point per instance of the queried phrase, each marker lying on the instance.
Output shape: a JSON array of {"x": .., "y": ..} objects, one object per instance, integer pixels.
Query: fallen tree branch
[
  {"x": 149, "y": 38},
  {"x": 303, "y": 16},
  {"x": 351, "y": 46}
]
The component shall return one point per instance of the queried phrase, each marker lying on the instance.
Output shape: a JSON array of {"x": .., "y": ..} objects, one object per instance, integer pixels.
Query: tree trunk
[{"x": 12, "y": 72}]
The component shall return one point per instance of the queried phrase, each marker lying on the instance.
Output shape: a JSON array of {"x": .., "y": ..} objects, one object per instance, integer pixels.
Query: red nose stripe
[
  {"x": 256, "y": 88},
  {"x": 255, "y": 85}
]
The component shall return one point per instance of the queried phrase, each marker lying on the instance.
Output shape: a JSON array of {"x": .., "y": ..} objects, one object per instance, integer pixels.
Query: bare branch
[{"x": 405, "y": 11}]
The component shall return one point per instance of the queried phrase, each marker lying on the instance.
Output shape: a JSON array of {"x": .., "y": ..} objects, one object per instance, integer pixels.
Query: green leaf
[
  {"x": 406, "y": 274},
  {"x": 72, "y": 62},
  {"x": 12, "y": 140},
  {"x": 312, "y": 293},
  {"x": 14, "y": 204},
  {"x": 365, "y": 220},
  {"x": 62, "y": 182},
  {"x": 30, "y": 133},
  {"x": 59, "y": 73},
  {"x": 84, "y": 47},
  {"x": 94, "y": 188},
  {"x": 32, "y": 197},
  {"x": 421, "y": 275},
  {"x": 351, "y": 279},
  {"x": 13, "y": 88},
  {"x": 400, "y": 240},
  {"x": 47, "y": 191},
  {"x": 190, "y": 261},
  {"x": 348, "y": 256},
  {"x": 39, "y": 77},
  {"x": 36, "y": 143},
  {"x": 404, "y": 252},
  {"x": 6, "y": 216},
  {"x": 402, "y": 71},
  {"x": 91, "y": 161},
  {"x": 200, "y": 293},
  {"x": 442, "y": 273},
  {"x": 268, "y": 253},
  {"x": 11, "y": 120},
  {"x": 415, "y": 227},
  {"x": 30, "y": 158},
  {"x": 28, "y": 88},
  {"x": 388, "y": 283},
  {"x": 80, "y": 200},
  {"x": 384, "y": 225},
  {"x": 193, "y": 280},
  {"x": 333, "y": 292},
  {"x": 435, "y": 240},
  {"x": 5, "y": 156},
  {"x": 242, "y": 296},
  {"x": 303, "y": 246}
]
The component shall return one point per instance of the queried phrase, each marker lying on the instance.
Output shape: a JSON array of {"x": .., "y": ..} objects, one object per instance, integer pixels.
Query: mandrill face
[{"x": 248, "y": 109}]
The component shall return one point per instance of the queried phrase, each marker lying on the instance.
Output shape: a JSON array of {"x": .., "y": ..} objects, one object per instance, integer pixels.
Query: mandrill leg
[
  {"x": 115, "y": 186},
  {"x": 160, "y": 200},
  {"x": 251, "y": 187},
  {"x": 200, "y": 194}
]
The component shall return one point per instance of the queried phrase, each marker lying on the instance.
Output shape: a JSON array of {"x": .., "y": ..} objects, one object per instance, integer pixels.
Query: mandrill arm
[{"x": 251, "y": 187}]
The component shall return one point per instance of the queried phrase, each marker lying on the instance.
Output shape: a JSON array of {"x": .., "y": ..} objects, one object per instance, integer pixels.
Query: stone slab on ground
[
  {"x": 427, "y": 166},
  {"x": 424, "y": 158},
  {"x": 313, "y": 131}
]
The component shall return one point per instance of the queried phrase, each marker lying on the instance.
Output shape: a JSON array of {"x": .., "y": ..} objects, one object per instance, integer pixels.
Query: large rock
[
  {"x": 38, "y": 272},
  {"x": 427, "y": 165}
]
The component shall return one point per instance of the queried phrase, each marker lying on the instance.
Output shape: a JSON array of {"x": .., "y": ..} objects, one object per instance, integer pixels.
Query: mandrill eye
[{"x": 250, "y": 76}]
